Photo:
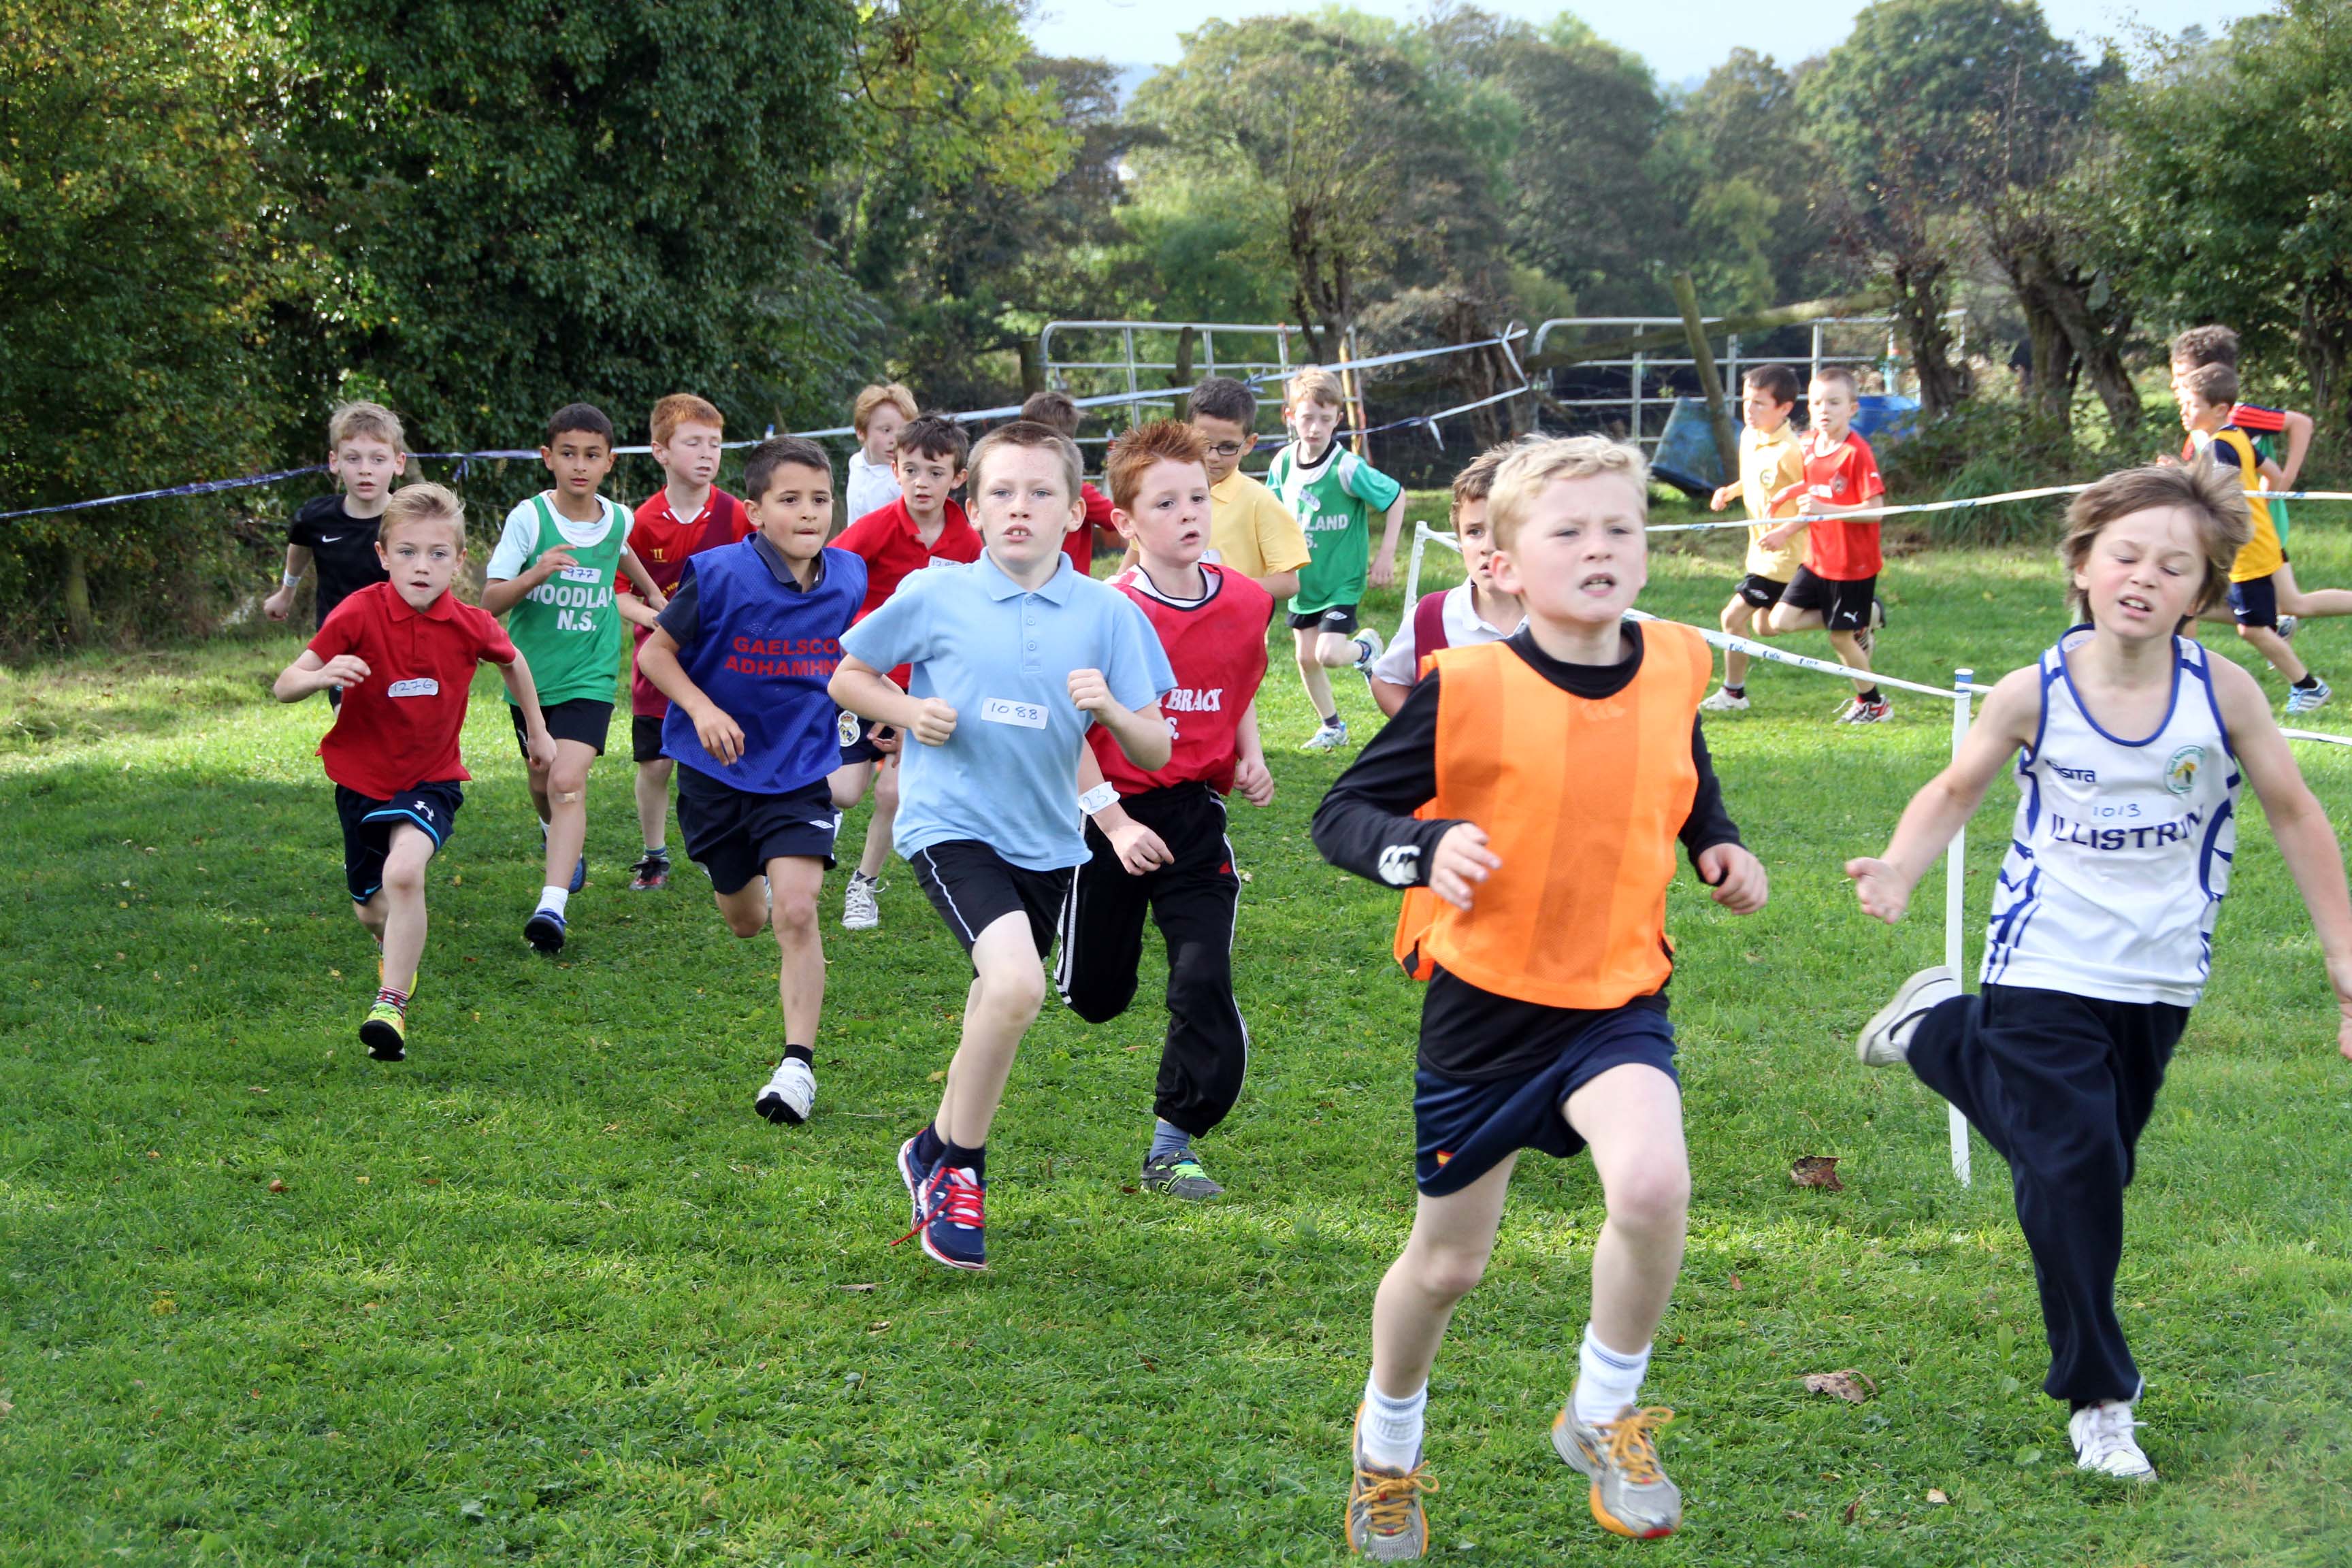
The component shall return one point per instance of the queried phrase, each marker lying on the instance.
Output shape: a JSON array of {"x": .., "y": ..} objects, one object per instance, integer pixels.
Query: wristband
[
  {"x": 291, "y": 579},
  {"x": 1097, "y": 799}
]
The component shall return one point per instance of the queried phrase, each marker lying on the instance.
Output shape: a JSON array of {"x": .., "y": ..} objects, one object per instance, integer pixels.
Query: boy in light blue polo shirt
[{"x": 1014, "y": 656}]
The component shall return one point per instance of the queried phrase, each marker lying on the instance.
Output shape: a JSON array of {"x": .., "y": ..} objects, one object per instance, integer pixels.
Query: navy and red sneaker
[
  {"x": 916, "y": 1174},
  {"x": 951, "y": 1227}
]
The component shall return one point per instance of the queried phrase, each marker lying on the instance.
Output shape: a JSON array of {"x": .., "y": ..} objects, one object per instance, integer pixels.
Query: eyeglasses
[{"x": 1227, "y": 449}]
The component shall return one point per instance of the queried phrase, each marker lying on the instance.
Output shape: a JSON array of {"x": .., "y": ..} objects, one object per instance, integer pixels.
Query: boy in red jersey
[
  {"x": 1837, "y": 588},
  {"x": 685, "y": 517},
  {"x": 1157, "y": 837},
  {"x": 402, "y": 655},
  {"x": 923, "y": 525}
]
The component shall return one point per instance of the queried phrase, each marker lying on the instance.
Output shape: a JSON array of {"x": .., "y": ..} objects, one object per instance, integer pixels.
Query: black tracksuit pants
[
  {"x": 2060, "y": 1086},
  {"x": 1194, "y": 901}
]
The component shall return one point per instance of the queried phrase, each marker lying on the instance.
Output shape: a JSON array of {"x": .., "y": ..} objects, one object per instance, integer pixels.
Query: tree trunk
[
  {"x": 81, "y": 626},
  {"x": 1920, "y": 294},
  {"x": 2064, "y": 294}
]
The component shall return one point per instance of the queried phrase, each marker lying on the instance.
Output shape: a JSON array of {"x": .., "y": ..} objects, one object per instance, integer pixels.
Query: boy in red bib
[{"x": 1157, "y": 837}]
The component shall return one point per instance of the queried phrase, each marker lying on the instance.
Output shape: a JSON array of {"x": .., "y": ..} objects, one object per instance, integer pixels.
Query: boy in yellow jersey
[
  {"x": 2206, "y": 396},
  {"x": 1545, "y": 947},
  {"x": 1771, "y": 462}
]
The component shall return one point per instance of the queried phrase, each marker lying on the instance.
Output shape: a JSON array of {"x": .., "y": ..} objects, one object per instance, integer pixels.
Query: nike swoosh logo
[{"x": 329, "y": 538}]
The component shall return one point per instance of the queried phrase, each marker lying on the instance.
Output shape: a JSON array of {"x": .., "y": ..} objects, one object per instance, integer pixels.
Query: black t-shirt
[{"x": 342, "y": 547}]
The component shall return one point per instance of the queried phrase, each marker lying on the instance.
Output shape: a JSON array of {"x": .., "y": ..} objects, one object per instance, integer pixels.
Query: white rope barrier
[
  {"x": 1965, "y": 502},
  {"x": 2320, "y": 736}
]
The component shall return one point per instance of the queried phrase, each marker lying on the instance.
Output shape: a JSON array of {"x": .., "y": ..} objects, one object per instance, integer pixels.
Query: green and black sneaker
[
  {"x": 385, "y": 1032},
  {"x": 1180, "y": 1175}
]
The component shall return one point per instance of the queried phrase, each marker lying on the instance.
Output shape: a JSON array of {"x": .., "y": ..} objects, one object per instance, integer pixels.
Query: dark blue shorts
[
  {"x": 368, "y": 824},
  {"x": 2255, "y": 604},
  {"x": 732, "y": 834},
  {"x": 856, "y": 738},
  {"x": 1464, "y": 1128}
]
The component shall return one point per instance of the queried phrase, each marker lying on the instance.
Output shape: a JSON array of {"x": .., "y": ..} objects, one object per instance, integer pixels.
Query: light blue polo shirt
[{"x": 1001, "y": 657}]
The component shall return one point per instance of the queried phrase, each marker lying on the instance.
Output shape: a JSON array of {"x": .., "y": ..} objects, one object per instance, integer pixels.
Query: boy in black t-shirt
[{"x": 366, "y": 451}]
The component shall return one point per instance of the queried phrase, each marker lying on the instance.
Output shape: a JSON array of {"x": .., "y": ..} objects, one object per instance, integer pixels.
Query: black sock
[
  {"x": 1330, "y": 721},
  {"x": 801, "y": 1052},
  {"x": 1869, "y": 696},
  {"x": 927, "y": 1146},
  {"x": 1738, "y": 690},
  {"x": 2307, "y": 682},
  {"x": 957, "y": 1158}
]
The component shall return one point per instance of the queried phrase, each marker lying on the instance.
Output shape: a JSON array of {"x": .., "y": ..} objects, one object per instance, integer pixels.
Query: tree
[
  {"x": 136, "y": 276},
  {"x": 2227, "y": 192},
  {"x": 1737, "y": 164},
  {"x": 527, "y": 207}
]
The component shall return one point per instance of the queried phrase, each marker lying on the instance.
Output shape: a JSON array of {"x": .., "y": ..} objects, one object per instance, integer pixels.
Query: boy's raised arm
[
  {"x": 1884, "y": 884},
  {"x": 2295, "y": 423}
]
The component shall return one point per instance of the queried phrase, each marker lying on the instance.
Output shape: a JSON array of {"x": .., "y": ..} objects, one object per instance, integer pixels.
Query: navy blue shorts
[
  {"x": 368, "y": 824},
  {"x": 732, "y": 834},
  {"x": 1462, "y": 1127},
  {"x": 856, "y": 738},
  {"x": 2255, "y": 604}
]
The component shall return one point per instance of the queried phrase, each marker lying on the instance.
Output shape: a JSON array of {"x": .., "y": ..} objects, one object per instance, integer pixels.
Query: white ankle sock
[
  {"x": 1607, "y": 1381},
  {"x": 1391, "y": 1431},
  {"x": 554, "y": 897}
]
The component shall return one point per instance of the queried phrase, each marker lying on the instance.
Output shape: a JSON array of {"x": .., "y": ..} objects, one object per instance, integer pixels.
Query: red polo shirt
[
  {"x": 1078, "y": 544},
  {"x": 1845, "y": 474},
  {"x": 399, "y": 727},
  {"x": 663, "y": 543},
  {"x": 887, "y": 541}
]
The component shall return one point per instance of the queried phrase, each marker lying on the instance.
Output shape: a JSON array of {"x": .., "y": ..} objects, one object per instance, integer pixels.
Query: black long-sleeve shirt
[{"x": 1366, "y": 825}]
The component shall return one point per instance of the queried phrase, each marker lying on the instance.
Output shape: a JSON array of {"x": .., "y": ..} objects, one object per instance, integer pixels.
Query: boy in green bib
[{"x": 553, "y": 577}]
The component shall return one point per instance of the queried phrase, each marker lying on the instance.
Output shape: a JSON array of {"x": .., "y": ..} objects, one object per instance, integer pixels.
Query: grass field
[{"x": 550, "y": 1291}]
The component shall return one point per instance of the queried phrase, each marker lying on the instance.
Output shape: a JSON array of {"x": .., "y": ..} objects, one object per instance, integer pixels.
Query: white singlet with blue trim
[{"x": 2121, "y": 853}]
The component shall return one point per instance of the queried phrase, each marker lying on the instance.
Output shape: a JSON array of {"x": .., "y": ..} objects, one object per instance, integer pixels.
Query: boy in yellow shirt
[{"x": 1771, "y": 462}]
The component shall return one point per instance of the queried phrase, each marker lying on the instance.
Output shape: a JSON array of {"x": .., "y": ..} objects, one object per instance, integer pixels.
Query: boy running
[
  {"x": 1473, "y": 611},
  {"x": 1332, "y": 492},
  {"x": 923, "y": 525},
  {"x": 402, "y": 653},
  {"x": 1771, "y": 463},
  {"x": 877, "y": 416},
  {"x": 365, "y": 452},
  {"x": 1156, "y": 837},
  {"x": 744, "y": 650},
  {"x": 1014, "y": 656},
  {"x": 2101, "y": 929},
  {"x": 688, "y": 515},
  {"x": 2280, "y": 437},
  {"x": 1836, "y": 589},
  {"x": 552, "y": 575},
  {"x": 1545, "y": 949}
]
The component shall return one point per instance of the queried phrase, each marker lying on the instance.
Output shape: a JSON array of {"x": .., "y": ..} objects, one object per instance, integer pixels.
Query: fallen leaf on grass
[
  {"x": 1851, "y": 1509},
  {"x": 941, "y": 1076},
  {"x": 881, "y": 1327},
  {"x": 1936, "y": 1495},
  {"x": 1816, "y": 1170},
  {"x": 853, "y": 1287},
  {"x": 277, "y": 1186},
  {"x": 165, "y": 1307},
  {"x": 1127, "y": 1189},
  {"x": 5, "y": 1409},
  {"x": 1846, "y": 1384},
  {"x": 1735, "y": 1282}
]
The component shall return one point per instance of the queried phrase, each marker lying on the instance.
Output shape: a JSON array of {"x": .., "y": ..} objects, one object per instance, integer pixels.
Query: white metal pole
[
  {"x": 1955, "y": 910},
  {"x": 1412, "y": 567}
]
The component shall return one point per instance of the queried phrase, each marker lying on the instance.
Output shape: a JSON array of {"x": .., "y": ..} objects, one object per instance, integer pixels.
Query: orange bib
[{"x": 1581, "y": 801}]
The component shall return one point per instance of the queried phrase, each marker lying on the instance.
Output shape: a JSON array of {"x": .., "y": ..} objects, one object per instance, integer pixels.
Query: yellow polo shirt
[{"x": 1770, "y": 464}]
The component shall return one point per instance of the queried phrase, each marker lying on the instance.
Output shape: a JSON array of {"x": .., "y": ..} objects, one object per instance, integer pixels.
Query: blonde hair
[
  {"x": 684, "y": 409},
  {"x": 364, "y": 421},
  {"x": 2209, "y": 494},
  {"x": 1533, "y": 465},
  {"x": 423, "y": 503},
  {"x": 1313, "y": 384},
  {"x": 1029, "y": 434},
  {"x": 1476, "y": 482},
  {"x": 874, "y": 398}
]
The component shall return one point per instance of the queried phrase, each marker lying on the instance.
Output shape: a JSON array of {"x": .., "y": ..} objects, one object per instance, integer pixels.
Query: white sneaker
[
  {"x": 1370, "y": 644},
  {"x": 1885, "y": 1040},
  {"x": 2103, "y": 1441},
  {"x": 1327, "y": 738},
  {"x": 790, "y": 1093},
  {"x": 1723, "y": 702},
  {"x": 858, "y": 910}
]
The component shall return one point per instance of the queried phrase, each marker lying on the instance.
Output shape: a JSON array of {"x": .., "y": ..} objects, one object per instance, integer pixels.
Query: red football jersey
[
  {"x": 1842, "y": 475},
  {"x": 662, "y": 544},
  {"x": 1217, "y": 649},
  {"x": 886, "y": 541},
  {"x": 399, "y": 727}
]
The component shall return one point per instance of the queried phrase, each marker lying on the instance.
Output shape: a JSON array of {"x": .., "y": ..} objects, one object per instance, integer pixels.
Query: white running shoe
[
  {"x": 1885, "y": 1040},
  {"x": 859, "y": 911},
  {"x": 2303, "y": 699},
  {"x": 790, "y": 1093},
  {"x": 1327, "y": 738},
  {"x": 1370, "y": 644},
  {"x": 1723, "y": 702},
  {"x": 2103, "y": 1441}
]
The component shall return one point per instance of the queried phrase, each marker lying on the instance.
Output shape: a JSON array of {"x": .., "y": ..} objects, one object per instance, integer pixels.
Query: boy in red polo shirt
[
  {"x": 685, "y": 517},
  {"x": 402, "y": 655},
  {"x": 1837, "y": 587},
  {"x": 1157, "y": 837},
  {"x": 923, "y": 525}
]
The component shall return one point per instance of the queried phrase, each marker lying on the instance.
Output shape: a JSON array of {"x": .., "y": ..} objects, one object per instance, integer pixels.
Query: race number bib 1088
[{"x": 1003, "y": 711}]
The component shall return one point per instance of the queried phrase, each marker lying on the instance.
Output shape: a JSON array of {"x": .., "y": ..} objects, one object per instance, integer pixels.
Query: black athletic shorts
[
  {"x": 973, "y": 886},
  {"x": 1760, "y": 592},
  {"x": 856, "y": 738},
  {"x": 1463, "y": 1127},
  {"x": 583, "y": 719},
  {"x": 2255, "y": 604},
  {"x": 1845, "y": 605},
  {"x": 368, "y": 824},
  {"x": 1339, "y": 619},
  {"x": 645, "y": 738},
  {"x": 733, "y": 832}
]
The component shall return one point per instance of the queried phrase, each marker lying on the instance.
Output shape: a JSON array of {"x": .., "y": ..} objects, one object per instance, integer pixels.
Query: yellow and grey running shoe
[
  {"x": 385, "y": 1032},
  {"x": 1631, "y": 1494},
  {"x": 1385, "y": 1522},
  {"x": 1180, "y": 1175}
]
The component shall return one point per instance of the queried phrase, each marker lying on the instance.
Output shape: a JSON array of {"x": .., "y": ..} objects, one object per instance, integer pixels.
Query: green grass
[{"x": 550, "y": 1291}]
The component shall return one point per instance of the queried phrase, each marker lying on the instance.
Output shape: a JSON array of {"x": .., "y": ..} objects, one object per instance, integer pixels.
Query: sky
[{"x": 1682, "y": 40}]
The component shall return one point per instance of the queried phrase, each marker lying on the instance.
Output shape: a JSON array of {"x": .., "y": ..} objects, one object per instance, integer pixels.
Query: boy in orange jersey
[
  {"x": 1545, "y": 1023},
  {"x": 1156, "y": 835}
]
